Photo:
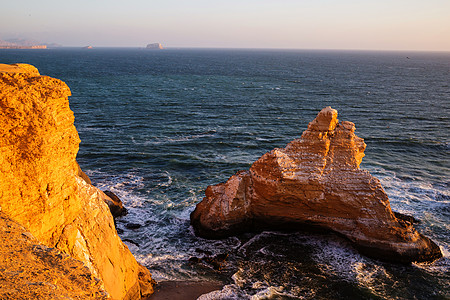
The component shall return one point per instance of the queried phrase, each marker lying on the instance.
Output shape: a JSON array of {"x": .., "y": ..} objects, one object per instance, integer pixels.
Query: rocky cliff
[
  {"x": 42, "y": 186},
  {"x": 314, "y": 182},
  {"x": 30, "y": 270}
]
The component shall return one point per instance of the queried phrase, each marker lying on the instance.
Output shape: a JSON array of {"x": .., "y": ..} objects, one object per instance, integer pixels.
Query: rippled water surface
[{"x": 158, "y": 127}]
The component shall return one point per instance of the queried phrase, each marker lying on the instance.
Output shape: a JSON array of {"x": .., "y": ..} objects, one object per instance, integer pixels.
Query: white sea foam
[
  {"x": 122, "y": 185},
  {"x": 168, "y": 266},
  {"x": 269, "y": 293},
  {"x": 335, "y": 257},
  {"x": 152, "y": 259},
  {"x": 441, "y": 266},
  {"x": 259, "y": 290},
  {"x": 243, "y": 249},
  {"x": 169, "y": 180},
  {"x": 341, "y": 261},
  {"x": 162, "y": 218},
  {"x": 228, "y": 292},
  {"x": 176, "y": 139}
]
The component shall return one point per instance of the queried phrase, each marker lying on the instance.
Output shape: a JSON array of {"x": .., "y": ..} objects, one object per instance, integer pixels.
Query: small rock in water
[
  {"x": 115, "y": 205},
  {"x": 130, "y": 241},
  {"x": 407, "y": 218},
  {"x": 133, "y": 226},
  {"x": 206, "y": 252},
  {"x": 194, "y": 260},
  {"x": 217, "y": 262}
]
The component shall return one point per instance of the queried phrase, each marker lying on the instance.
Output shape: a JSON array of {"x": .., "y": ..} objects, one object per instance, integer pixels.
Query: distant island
[
  {"x": 156, "y": 46},
  {"x": 88, "y": 47}
]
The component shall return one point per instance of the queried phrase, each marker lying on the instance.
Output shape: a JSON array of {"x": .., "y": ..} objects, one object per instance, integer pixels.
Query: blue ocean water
[{"x": 158, "y": 127}]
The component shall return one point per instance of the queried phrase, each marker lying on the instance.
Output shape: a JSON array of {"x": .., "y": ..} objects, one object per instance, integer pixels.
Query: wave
[
  {"x": 164, "y": 242},
  {"x": 174, "y": 140},
  {"x": 407, "y": 143}
]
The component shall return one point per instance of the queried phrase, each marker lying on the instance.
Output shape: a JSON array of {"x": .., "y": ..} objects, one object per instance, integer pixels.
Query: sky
[{"x": 422, "y": 25}]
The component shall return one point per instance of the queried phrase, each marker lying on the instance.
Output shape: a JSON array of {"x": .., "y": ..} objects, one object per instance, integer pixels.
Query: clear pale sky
[{"x": 300, "y": 24}]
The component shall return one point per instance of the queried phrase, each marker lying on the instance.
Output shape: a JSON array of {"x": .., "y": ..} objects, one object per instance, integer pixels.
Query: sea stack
[
  {"x": 155, "y": 46},
  {"x": 314, "y": 182},
  {"x": 43, "y": 189}
]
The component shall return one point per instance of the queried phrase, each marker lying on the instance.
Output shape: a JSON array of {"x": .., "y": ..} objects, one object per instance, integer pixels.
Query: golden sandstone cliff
[
  {"x": 314, "y": 182},
  {"x": 29, "y": 270},
  {"x": 43, "y": 188}
]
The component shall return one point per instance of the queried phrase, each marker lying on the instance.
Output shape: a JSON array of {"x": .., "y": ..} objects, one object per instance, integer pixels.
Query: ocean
[{"x": 158, "y": 127}]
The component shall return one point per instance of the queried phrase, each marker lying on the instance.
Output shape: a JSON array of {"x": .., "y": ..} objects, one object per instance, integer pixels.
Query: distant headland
[
  {"x": 23, "y": 44},
  {"x": 24, "y": 47},
  {"x": 156, "y": 46}
]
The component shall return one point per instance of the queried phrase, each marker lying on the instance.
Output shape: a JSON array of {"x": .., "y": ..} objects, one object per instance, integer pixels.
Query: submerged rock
[
  {"x": 43, "y": 188},
  {"x": 115, "y": 204},
  {"x": 314, "y": 182},
  {"x": 133, "y": 226},
  {"x": 217, "y": 262}
]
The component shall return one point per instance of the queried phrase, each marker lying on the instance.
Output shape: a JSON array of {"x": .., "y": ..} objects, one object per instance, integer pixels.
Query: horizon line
[{"x": 241, "y": 48}]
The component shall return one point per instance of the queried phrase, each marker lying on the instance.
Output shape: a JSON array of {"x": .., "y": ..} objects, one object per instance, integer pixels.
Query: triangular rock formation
[{"x": 314, "y": 182}]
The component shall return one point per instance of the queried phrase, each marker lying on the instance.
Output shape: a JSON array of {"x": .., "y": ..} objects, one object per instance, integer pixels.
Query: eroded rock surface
[
  {"x": 314, "y": 182},
  {"x": 29, "y": 270},
  {"x": 43, "y": 188}
]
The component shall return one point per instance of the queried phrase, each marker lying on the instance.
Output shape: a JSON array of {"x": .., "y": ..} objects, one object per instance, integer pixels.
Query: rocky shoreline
[
  {"x": 44, "y": 190},
  {"x": 58, "y": 233}
]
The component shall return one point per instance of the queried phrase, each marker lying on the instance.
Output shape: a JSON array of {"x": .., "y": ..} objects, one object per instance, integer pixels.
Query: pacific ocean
[{"x": 158, "y": 127}]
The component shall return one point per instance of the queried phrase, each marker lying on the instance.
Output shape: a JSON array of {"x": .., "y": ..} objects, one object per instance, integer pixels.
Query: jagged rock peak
[{"x": 326, "y": 120}]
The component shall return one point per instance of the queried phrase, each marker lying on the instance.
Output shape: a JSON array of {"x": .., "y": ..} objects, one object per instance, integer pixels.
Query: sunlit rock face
[
  {"x": 31, "y": 271},
  {"x": 42, "y": 186},
  {"x": 314, "y": 182}
]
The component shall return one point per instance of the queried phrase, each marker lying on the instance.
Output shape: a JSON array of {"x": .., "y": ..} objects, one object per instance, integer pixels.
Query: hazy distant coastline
[
  {"x": 24, "y": 47},
  {"x": 24, "y": 44}
]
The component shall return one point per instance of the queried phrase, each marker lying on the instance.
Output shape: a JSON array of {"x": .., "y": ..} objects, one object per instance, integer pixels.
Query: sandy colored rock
[
  {"x": 44, "y": 189},
  {"x": 314, "y": 182},
  {"x": 29, "y": 270},
  {"x": 19, "y": 68}
]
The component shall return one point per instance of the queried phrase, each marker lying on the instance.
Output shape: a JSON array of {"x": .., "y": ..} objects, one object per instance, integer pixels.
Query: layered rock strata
[
  {"x": 314, "y": 182},
  {"x": 44, "y": 189}
]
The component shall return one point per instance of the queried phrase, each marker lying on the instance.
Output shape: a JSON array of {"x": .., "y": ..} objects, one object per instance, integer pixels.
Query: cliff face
[
  {"x": 29, "y": 270},
  {"x": 42, "y": 186},
  {"x": 315, "y": 181}
]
